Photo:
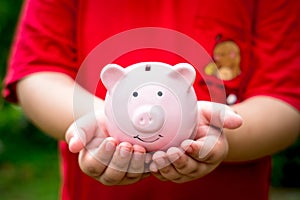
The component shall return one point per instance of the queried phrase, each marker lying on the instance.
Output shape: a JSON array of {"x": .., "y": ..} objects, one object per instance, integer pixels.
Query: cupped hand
[
  {"x": 200, "y": 156},
  {"x": 102, "y": 157}
]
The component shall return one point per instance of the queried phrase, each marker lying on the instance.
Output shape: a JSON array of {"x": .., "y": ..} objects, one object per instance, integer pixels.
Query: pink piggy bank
[{"x": 151, "y": 104}]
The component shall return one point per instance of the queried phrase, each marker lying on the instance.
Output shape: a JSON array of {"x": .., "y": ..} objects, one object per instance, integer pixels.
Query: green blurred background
[{"x": 29, "y": 166}]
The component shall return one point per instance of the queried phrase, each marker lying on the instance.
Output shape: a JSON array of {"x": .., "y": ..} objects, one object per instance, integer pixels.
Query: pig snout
[{"x": 148, "y": 118}]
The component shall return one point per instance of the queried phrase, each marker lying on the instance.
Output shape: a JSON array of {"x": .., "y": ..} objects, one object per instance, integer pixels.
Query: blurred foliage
[
  {"x": 27, "y": 154},
  {"x": 286, "y": 167},
  {"x": 29, "y": 167},
  {"x": 13, "y": 124},
  {"x": 9, "y": 11},
  {"x": 28, "y": 158}
]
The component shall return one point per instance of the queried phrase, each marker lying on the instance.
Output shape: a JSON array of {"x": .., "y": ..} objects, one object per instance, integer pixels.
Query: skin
[{"x": 264, "y": 126}]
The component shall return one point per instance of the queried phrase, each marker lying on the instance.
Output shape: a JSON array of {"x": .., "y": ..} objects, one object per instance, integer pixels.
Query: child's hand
[
  {"x": 102, "y": 157},
  {"x": 198, "y": 157}
]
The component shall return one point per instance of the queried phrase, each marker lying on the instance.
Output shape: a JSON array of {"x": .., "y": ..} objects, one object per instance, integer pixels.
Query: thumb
[
  {"x": 232, "y": 120},
  {"x": 81, "y": 132},
  {"x": 218, "y": 115},
  {"x": 76, "y": 139}
]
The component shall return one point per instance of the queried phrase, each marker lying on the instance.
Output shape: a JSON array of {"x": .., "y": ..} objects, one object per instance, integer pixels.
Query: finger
[
  {"x": 130, "y": 180},
  {"x": 81, "y": 132},
  {"x": 75, "y": 139},
  {"x": 232, "y": 120},
  {"x": 200, "y": 148},
  {"x": 183, "y": 163},
  {"x": 159, "y": 176},
  {"x": 211, "y": 113},
  {"x": 209, "y": 148},
  {"x": 165, "y": 167},
  {"x": 186, "y": 168},
  {"x": 158, "y": 161},
  {"x": 137, "y": 165},
  {"x": 118, "y": 165},
  {"x": 93, "y": 162},
  {"x": 218, "y": 115}
]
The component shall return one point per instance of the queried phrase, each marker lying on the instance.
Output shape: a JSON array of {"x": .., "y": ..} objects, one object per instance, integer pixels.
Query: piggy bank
[{"x": 151, "y": 104}]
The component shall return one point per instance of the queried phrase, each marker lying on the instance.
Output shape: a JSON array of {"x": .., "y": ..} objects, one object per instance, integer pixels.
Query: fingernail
[
  {"x": 109, "y": 146},
  {"x": 124, "y": 151},
  {"x": 160, "y": 161},
  {"x": 138, "y": 156},
  {"x": 153, "y": 167},
  {"x": 71, "y": 141},
  {"x": 231, "y": 113},
  {"x": 186, "y": 146},
  {"x": 71, "y": 145},
  {"x": 173, "y": 157},
  {"x": 79, "y": 133},
  {"x": 174, "y": 154}
]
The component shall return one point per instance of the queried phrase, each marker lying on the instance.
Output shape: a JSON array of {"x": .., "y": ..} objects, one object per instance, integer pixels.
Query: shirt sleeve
[
  {"x": 45, "y": 40},
  {"x": 275, "y": 67}
]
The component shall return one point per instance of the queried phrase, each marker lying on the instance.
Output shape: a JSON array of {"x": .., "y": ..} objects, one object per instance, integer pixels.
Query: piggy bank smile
[{"x": 148, "y": 140}]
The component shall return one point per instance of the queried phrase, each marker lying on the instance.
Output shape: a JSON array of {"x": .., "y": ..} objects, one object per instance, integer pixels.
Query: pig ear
[
  {"x": 111, "y": 74},
  {"x": 186, "y": 70}
]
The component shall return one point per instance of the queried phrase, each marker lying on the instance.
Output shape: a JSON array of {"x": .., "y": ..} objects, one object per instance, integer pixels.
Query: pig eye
[
  {"x": 135, "y": 94},
  {"x": 159, "y": 93}
]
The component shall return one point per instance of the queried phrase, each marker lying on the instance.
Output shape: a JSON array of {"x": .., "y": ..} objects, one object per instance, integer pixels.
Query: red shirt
[{"x": 58, "y": 35}]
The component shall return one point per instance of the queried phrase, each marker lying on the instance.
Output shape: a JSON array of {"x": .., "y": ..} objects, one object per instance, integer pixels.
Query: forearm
[
  {"x": 48, "y": 100},
  {"x": 269, "y": 126}
]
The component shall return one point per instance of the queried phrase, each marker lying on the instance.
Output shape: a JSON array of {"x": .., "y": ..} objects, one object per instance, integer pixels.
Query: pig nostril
[{"x": 142, "y": 121}]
